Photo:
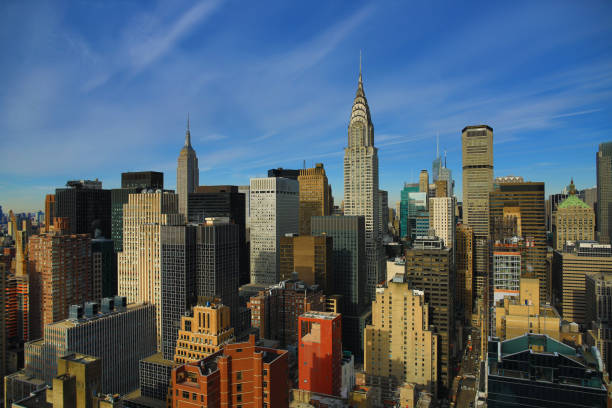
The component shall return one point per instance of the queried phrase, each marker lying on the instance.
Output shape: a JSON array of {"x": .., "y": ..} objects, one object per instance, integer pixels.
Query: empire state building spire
[{"x": 187, "y": 172}]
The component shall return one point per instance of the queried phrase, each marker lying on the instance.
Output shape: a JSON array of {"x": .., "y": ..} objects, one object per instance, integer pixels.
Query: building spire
[
  {"x": 188, "y": 134},
  {"x": 360, "y": 81},
  {"x": 438, "y": 145}
]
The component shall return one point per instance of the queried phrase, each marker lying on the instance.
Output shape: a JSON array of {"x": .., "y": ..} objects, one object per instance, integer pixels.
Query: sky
[{"x": 90, "y": 89}]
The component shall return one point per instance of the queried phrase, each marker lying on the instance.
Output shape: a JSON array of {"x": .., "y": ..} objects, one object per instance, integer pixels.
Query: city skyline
[{"x": 94, "y": 100}]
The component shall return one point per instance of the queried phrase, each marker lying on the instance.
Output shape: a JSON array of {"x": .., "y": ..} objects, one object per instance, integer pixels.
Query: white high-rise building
[
  {"x": 275, "y": 204},
  {"x": 442, "y": 219},
  {"x": 187, "y": 172},
  {"x": 361, "y": 185},
  {"x": 138, "y": 265}
]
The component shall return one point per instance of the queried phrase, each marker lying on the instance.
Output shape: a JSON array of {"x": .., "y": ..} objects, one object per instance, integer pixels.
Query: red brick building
[
  {"x": 60, "y": 276},
  {"x": 320, "y": 352},
  {"x": 241, "y": 375}
]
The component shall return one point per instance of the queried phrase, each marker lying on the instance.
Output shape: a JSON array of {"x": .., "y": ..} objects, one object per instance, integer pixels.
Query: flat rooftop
[
  {"x": 320, "y": 315},
  {"x": 159, "y": 359}
]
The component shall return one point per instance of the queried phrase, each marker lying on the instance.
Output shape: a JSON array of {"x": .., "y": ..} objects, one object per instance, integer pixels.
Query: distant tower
[
  {"x": 604, "y": 192},
  {"x": 361, "y": 184},
  {"x": 187, "y": 172}
]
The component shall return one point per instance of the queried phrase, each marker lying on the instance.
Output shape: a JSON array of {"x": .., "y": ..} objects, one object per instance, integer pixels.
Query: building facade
[
  {"x": 477, "y": 157},
  {"x": 87, "y": 206},
  {"x": 604, "y": 192},
  {"x": 464, "y": 261},
  {"x": 309, "y": 256},
  {"x": 574, "y": 220},
  {"x": 274, "y": 205},
  {"x": 570, "y": 268},
  {"x": 442, "y": 219},
  {"x": 60, "y": 276},
  {"x": 100, "y": 332},
  {"x": 204, "y": 331},
  {"x": 314, "y": 196},
  {"x": 241, "y": 374},
  {"x": 400, "y": 345},
  {"x": 142, "y": 179},
  {"x": 139, "y": 264},
  {"x": 428, "y": 268},
  {"x": 320, "y": 352}
]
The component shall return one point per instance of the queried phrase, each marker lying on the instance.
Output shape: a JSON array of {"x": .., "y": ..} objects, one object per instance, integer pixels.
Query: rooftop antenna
[
  {"x": 444, "y": 158},
  {"x": 304, "y": 165},
  {"x": 437, "y": 145}
]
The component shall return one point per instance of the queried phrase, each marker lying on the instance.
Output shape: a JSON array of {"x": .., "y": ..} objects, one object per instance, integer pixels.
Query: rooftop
[
  {"x": 158, "y": 358},
  {"x": 571, "y": 202},
  {"x": 320, "y": 315},
  {"x": 143, "y": 401}
]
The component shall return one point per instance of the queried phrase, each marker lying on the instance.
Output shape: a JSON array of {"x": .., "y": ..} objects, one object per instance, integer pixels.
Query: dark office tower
[
  {"x": 217, "y": 274},
  {"x": 517, "y": 209},
  {"x": 86, "y": 205},
  {"x": 604, "y": 192},
  {"x": 428, "y": 268},
  {"x": 222, "y": 201},
  {"x": 119, "y": 197},
  {"x": 477, "y": 142},
  {"x": 142, "y": 179},
  {"x": 349, "y": 266},
  {"x": 131, "y": 183},
  {"x": 103, "y": 268},
  {"x": 286, "y": 173},
  {"x": 178, "y": 281}
]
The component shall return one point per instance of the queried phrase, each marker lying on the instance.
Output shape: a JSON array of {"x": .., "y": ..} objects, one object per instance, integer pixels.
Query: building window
[
  {"x": 185, "y": 394},
  {"x": 239, "y": 375}
]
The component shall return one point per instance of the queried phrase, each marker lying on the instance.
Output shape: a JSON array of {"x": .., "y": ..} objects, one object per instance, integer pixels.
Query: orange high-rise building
[
  {"x": 49, "y": 211},
  {"x": 239, "y": 375},
  {"x": 60, "y": 276},
  {"x": 320, "y": 352},
  {"x": 16, "y": 308},
  {"x": 203, "y": 332}
]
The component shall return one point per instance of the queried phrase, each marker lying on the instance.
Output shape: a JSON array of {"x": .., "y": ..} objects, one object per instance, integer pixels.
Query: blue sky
[{"x": 94, "y": 88}]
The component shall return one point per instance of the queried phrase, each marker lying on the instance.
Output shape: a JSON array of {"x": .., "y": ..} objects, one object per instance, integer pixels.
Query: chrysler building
[{"x": 361, "y": 184}]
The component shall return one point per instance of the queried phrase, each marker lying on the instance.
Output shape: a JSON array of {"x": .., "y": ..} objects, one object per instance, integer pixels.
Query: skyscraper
[
  {"x": 477, "y": 156},
  {"x": 428, "y": 268},
  {"x": 442, "y": 219},
  {"x": 464, "y": 261},
  {"x": 314, "y": 196},
  {"x": 49, "y": 210},
  {"x": 139, "y": 264},
  {"x": 142, "y": 179},
  {"x": 274, "y": 213},
  {"x": 361, "y": 184},
  {"x": 320, "y": 352},
  {"x": 424, "y": 182},
  {"x": 187, "y": 172},
  {"x": 604, "y": 192},
  {"x": 349, "y": 254}
]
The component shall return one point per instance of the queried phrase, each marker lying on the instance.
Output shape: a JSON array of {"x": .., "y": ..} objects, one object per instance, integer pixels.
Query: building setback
[
  {"x": 204, "y": 330},
  {"x": 320, "y": 352},
  {"x": 399, "y": 345},
  {"x": 240, "y": 374},
  {"x": 119, "y": 335}
]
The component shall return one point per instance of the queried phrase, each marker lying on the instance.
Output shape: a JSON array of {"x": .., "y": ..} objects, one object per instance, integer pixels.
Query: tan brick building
[
  {"x": 399, "y": 342},
  {"x": 574, "y": 220}
]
